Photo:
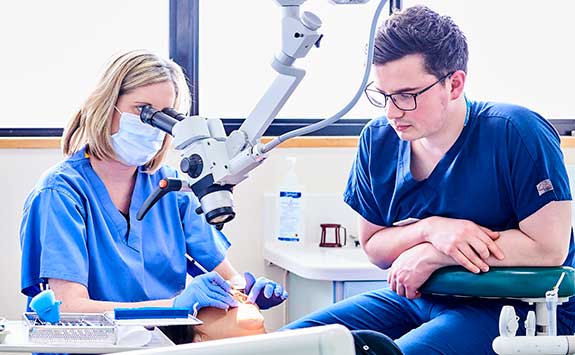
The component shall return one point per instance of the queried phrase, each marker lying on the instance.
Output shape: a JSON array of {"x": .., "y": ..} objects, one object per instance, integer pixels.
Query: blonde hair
[{"x": 92, "y": 124}]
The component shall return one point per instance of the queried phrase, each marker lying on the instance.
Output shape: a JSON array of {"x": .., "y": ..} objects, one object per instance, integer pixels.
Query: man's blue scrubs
[
  {"x": 505, "y": 165},
  {"x": 72, "y": 231}
]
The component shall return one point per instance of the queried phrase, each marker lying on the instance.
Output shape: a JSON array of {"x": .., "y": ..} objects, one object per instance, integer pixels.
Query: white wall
[
  {"x": 20, "y": 170},
  {"x": 324, "y": 171}
]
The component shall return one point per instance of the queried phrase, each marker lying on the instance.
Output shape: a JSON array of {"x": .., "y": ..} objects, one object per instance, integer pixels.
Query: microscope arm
[
  {"x": 271, "y": 103},
  {"x": 215, "y": 162},
  {"x": 299, "y": 35}
]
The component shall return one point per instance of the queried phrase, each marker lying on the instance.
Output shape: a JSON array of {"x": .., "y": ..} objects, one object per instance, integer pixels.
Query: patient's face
[{"x": 246, "y": 319}]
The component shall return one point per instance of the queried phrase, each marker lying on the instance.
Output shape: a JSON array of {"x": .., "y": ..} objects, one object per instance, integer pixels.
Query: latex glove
[
  {"x": 207, "y": 290},
  {"x": 264, "y": 292}
]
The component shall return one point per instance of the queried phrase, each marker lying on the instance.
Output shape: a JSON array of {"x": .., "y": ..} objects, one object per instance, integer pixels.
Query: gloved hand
[
  {"x": 207, "y": 290},
  {"x": 264, "y": 292}
]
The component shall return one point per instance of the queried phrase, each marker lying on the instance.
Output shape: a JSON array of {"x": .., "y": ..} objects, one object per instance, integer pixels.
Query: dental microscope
[{"x": 214, "y": 162}]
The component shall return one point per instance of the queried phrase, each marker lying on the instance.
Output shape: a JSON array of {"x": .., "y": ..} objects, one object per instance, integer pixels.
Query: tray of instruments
[{"x": 73, "y": 328}]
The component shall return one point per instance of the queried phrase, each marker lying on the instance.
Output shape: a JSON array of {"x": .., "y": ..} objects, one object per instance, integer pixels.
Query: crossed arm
[{"x": 414, "y": 251}]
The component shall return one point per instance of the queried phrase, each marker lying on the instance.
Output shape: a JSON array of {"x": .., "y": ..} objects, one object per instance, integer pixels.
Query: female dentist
[{"x": 79, "y": 234}]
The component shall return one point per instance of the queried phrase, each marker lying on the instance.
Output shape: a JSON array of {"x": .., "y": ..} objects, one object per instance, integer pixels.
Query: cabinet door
[
  {"x": 307, "y": 296},
  {"x": 352, "y": 288}
]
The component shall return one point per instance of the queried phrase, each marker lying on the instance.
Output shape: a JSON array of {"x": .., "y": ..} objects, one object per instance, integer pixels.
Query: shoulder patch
[{"x": 544, "y": 186}]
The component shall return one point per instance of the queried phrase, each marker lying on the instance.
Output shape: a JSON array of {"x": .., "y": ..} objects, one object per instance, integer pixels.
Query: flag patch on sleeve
[{"x": 544, "y": 186}]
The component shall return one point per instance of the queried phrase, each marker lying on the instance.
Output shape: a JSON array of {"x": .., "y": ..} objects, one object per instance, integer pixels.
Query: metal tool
[{"x": 73, "y": 328}]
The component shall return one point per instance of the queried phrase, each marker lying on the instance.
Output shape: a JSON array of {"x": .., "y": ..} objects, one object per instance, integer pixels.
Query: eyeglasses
[{"x": 403, "y": 100}]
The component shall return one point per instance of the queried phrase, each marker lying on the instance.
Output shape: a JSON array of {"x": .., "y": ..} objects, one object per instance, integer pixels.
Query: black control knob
[{"x": 192, "y": 165}]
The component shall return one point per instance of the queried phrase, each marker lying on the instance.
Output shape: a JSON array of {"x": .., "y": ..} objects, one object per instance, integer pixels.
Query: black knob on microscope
[{"x": 192, "y": 165}]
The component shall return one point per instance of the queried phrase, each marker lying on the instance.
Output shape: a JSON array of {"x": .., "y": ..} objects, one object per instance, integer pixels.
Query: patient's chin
[
  {"x": 246, "y": 319},
  {"x": 249, "y": 317}
]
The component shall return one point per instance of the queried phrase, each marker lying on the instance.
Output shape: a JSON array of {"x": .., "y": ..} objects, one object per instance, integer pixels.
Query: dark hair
[{"x": 419, "y": 30}]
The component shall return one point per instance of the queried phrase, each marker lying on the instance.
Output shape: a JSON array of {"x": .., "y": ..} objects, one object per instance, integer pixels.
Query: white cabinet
[
  {"x": 352, "y": 288},
  {"x": 318, "y": 277},
  {"x": 307, "y": 296}
]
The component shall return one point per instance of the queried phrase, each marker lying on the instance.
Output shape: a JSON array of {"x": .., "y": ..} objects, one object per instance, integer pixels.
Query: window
[
  {"x": 53, "y": 52},
  {"x": 238, "y": 40},
  {"x": 520, "y": 52}
]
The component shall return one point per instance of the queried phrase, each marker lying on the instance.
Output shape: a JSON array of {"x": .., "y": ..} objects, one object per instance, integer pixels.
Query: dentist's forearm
[
  {"x": 75, "y": 299},
  {"x": 86, "y": 305},
  {"x": 227, "y": 271}
]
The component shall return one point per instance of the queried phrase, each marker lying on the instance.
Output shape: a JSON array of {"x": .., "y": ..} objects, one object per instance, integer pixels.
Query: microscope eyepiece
[
  {"x": 146, "y": 113},
  {"x": 157, "y": 118}
]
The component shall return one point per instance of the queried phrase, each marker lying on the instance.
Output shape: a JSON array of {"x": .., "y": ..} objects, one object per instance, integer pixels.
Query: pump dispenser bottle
[{"x": 290, "y": 224}]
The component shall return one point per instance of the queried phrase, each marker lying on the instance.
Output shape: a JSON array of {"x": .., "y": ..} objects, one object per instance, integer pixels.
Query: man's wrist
[
  {"x": 424, "y": 226},
  {"x": 434, "y": 257}
]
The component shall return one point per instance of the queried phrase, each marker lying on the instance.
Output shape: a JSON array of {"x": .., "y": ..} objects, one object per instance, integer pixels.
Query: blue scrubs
[
  {"x": 71, "y": 230},
  {"x": 505, "y": 165}
]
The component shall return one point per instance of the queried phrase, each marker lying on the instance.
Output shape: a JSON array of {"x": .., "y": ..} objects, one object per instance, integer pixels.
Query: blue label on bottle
[
  {"x": 290, "y": 194},
  {"x": 288, "y": 239}
]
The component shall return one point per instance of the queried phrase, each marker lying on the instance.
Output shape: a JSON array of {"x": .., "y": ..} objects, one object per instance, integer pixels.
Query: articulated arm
[{"x": 214, "y": 162}]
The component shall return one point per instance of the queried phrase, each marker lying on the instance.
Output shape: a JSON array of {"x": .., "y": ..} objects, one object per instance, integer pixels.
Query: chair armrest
[{"x": 500, "y": 282}]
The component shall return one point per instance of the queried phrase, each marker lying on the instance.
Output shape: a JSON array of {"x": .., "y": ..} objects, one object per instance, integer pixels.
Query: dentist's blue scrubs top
[
  {"x": 505, "y": 165},
  {"x": 71, "y": 230}
]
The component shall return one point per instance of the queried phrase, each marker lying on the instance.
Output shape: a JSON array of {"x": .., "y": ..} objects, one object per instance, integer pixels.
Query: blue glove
[
  {"x": 207, "y": 290},
  {"x": 272, "y": 295}
]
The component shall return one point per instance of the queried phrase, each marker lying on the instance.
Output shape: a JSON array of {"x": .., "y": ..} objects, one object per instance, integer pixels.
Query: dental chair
[
  {"x": 329, "y": 339},
  {"x": 546, "y": 287}
]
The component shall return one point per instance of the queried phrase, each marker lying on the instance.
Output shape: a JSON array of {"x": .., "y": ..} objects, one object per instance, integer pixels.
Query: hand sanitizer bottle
[{"x": 290, "y": 224}]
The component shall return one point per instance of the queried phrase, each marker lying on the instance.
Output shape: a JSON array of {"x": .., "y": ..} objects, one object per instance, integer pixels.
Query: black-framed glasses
[{"x": 402, "y": 100}]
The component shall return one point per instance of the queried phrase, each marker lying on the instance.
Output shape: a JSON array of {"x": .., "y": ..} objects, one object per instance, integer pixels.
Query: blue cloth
[
  {"x": 505, "y": 165},
  {"x": 489, "y": 175},
  {"x": 495, "y": 174},
  {"x": 429, "y": 325},
  {"x": 71, "y": 230}
]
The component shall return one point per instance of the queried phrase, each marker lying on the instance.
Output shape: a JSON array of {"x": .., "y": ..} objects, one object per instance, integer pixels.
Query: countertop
[
  {"x": 17, "y": 341},
  {"x": 312, "y": 262}
]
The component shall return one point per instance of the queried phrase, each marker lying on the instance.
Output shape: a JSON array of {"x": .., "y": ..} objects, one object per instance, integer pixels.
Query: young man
[{"x": 480, "y": 184}]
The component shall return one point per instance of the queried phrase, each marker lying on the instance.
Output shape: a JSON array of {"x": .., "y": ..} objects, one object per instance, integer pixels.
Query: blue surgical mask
[{"x": 136, "y": 143}]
